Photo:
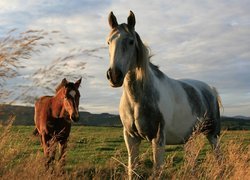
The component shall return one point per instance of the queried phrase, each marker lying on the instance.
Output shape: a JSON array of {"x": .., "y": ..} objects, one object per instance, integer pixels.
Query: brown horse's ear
[
  {"x": 131, "y": 20},
  {"x": 77, "y": 83},
  {"x": 112, "y": 20},
  {"x": 64, "y": 82}
]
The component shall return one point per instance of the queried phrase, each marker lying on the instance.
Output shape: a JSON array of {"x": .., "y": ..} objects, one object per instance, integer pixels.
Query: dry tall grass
[
  {"x": 15, "y": 47},
  {"x": 19, "y": 161},
  {"x": 233, "y": 163},
  {"x": 18, "y": 47}
]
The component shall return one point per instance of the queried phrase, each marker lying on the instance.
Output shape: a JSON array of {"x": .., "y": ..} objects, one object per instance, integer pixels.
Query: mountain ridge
[{"x": 25, "y": 116}]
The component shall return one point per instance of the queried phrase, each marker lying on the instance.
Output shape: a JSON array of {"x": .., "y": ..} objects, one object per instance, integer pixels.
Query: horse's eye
[{"x": 108, "y": 42}]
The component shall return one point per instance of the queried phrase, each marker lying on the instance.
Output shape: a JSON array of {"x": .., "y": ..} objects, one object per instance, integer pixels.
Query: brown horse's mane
[{"x": 59, "y": 87}]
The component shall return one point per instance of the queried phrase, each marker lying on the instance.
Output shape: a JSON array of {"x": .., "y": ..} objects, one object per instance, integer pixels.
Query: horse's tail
[
  {"x": 218, "y": 98},
  {"x": 218, "y": 106},
  {"x": 35, "y": 132}
]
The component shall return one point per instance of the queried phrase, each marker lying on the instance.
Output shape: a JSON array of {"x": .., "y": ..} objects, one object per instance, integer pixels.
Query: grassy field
[{"x": 100, "y": 153}]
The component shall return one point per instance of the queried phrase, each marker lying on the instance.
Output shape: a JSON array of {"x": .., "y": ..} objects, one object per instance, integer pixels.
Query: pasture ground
[{"x": 100, "y": 153}]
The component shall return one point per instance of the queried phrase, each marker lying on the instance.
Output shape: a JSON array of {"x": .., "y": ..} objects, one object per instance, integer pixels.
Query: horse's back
[
  {"x": 41, "y": 113},
  {"x": 202, "y": 97}
]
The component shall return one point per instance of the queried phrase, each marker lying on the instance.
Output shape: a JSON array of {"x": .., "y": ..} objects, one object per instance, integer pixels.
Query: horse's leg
[
  {"x": 132, "y": 144},
  {"x": 158, "y": 145},
  {"x": 213, "y": 140},
  {"x": 158, "y": 154},
  {"x": 52, "y": 149},
  {"x": 214, "y": 133},
  {"x": 62, "y": 150},
  {"x": 44, "y": 144},
  {"x": 62, "y": 154},
  {"x": 44, "y": 141}
]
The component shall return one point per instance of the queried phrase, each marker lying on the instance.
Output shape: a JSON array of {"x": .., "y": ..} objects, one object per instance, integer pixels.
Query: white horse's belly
[
  {"x": 178, "y": 117},
  {"x": 178, "y": 129}
]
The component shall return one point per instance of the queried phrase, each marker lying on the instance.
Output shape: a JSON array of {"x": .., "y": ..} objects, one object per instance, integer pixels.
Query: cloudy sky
[{"x": 204, "y": 40}]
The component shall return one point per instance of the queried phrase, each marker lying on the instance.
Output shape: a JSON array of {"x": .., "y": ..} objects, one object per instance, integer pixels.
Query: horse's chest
[
  {"x": 59, "y": 127},
  {"x": 142, "y": 120}
]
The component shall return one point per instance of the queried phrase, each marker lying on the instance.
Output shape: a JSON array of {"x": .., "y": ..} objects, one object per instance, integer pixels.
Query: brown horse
[{"x": 53, "y": 117}]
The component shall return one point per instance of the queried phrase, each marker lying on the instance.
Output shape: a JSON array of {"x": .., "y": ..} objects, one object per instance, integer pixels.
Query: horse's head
[
  {"x": 123, "y": 49},
  {"x": 71, "y": 96}
]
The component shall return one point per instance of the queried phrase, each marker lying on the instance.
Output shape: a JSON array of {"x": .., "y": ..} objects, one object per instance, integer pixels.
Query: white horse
[{"x": 153, "y": 106}]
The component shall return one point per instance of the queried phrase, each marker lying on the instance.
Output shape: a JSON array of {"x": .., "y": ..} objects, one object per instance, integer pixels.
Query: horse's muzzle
[
  {"x": 115, "y": 77},
  {"x": 75, "y": 118}
]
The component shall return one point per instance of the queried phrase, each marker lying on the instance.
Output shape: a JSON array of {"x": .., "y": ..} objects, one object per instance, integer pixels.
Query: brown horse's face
[
  {"x": 71, "y": 103},
  {"x": 71, "y": 100}
]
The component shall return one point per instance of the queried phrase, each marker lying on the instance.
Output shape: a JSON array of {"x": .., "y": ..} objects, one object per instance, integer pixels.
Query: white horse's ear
[
  {"x": 112, "y": 20},
  {"x": 131, "y": 20}
]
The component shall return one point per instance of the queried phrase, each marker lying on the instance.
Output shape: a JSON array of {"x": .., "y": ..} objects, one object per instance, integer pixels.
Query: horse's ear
[
  {"x": 131, "y": 20},
  {"x": 112, "y": 20},
  {"x": 78, "y": 82},
  {"x": 62, "y": 84},
  {"x": 64, "y": 81}
]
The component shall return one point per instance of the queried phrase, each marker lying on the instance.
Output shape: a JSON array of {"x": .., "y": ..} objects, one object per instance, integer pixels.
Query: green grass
[
  {"x": 92, "y": 149},
  {"x": 97, "y": 145}
]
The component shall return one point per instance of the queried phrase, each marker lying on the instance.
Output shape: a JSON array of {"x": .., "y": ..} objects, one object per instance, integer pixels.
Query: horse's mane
[
  {"x": 60, "y": 86},
  {"x": 144, "y": 59}
]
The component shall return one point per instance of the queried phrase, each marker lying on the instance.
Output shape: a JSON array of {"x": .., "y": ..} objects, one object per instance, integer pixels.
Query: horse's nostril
[{"x": 108, "y": 74}]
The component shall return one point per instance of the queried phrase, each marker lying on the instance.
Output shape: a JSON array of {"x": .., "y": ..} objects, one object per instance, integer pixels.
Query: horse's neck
[
  {"x": 137, "y": 83},
  {"x": 57, "y": 106}
]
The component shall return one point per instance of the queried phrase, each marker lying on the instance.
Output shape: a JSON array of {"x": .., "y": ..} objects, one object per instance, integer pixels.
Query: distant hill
[
  {"x": 235, "y": 123},
  {"x": 242, "y": 117},
  {"x": 25, "y": 115}
]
